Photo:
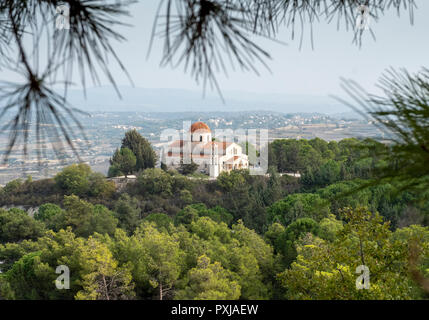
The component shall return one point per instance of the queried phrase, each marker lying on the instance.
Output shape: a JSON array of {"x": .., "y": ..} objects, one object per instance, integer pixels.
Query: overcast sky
[{"x": 294, "y": 71}]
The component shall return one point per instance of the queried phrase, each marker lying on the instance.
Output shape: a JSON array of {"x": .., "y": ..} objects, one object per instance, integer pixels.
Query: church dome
[{"x": 200, "y": 127}]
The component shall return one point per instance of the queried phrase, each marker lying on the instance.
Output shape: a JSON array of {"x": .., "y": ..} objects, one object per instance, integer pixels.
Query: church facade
[{"x": 212, "y": 157}]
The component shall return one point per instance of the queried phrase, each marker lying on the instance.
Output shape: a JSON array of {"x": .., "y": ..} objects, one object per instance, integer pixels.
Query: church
[{"x": 212, "y": 157}]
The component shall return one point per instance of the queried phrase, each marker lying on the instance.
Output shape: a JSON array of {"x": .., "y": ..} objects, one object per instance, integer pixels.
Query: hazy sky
[{"x": 294, "y": 71}]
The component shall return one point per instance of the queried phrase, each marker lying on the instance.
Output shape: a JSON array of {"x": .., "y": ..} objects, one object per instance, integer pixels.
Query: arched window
[{"x": 201, "y": 138}]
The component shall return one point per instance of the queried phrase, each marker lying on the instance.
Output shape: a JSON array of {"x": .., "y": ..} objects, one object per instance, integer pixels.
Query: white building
[{"x": 213, "y": 157}]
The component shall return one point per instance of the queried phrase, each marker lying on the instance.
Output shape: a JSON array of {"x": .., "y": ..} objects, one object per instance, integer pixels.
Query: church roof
[{"x": 200, "y": 127}]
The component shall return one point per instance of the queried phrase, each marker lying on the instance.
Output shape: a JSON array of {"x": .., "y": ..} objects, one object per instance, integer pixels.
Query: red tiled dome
[{"x": 200, "y": 127}]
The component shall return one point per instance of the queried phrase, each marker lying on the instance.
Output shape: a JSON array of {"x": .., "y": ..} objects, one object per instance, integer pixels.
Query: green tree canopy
[
  {"x": 155, "y": 181},
  {"x": 142, "y": 149},
  {"x": 94, "y": 273},
  {"x": 327, "y": 270},
  {"x": 78, "y": 179},
  {"x": 209, "y": 281},
  {"x": 85, "y": 218},
  {"x": 47, "y": 211},
  {"x": 128, "y": 212},
  {"x": 17, "y": 225},
  {"x": 299, "y": 205},
  {"x": 123, "y": 161},
  {"x": 74, "y": 179},
  {"x": 187, "y": 168}
]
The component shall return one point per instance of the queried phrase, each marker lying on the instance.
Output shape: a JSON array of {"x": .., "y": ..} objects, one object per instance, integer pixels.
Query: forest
[{"x": 174, "y": 234}]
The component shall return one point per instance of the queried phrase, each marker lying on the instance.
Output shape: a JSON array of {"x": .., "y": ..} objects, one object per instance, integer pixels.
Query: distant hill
[{"x": 177, "y": 100}]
